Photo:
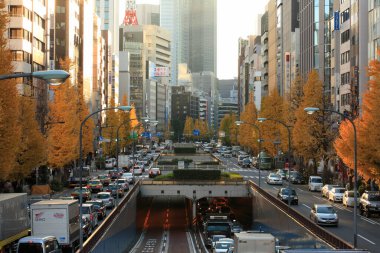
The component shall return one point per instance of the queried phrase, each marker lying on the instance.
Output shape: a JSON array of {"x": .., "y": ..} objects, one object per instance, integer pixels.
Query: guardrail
[
  {"x": 92, "y": 241},
  {"x": 320, "y": 232}
]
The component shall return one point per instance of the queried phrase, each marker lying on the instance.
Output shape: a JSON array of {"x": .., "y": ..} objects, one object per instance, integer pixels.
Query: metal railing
[
  {"x": 315, "y": 229},
  {"x": 96, "y": 237},
  {"x": 193, "y": 182}
]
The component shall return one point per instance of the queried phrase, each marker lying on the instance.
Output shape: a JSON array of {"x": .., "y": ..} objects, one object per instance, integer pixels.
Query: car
[
  {"x": 115, "y": 189},
  {"x": 296, "y": 178},
  {"x": 246, "y": 163},
  {"x": 107, "y": 199},
  {"x": 40, "y": 244},
  {"x": 114, "y": 174},
  {"x": 273, "y": 178},
  {"x": 241, "y": 157},
  {"x": 324, "y": 214},
  {"x": 369, "y": 203},
  {"x": 288, "y": 195},
  {"x": 99, "y": 207},
  {"x": 315, "y": 183},
  {"x": 326, "y": 189},
  {"x": 137, "y": 170},
  {"x": 86, "y": 193},
  {"x": 236, "y": 227},
  {"x": 104, "y": 179},
  {"x": 95, "y": 185},
  {"x": 141, "y": 164},
  {"x": 110, "y": 163},
  {"x": 283, "y": 173},
  {"x": 349, "y": 198},
  {"x": 227, "y": 154},
  {"x": 124, "y": 183},
  {"x": 129, "y": 176},
  {"x": 336, "y": 194},
  {"x": 89, "y": 212},
  {"x": 216, "y": 238},
  {"x": 222, "y": 246},
  {"x": 86, "y": 227},
  {"x": 154, "y": 172}
]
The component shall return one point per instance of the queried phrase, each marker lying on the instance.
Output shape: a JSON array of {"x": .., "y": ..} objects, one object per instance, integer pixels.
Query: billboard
[{"x": 161, "y": 71}]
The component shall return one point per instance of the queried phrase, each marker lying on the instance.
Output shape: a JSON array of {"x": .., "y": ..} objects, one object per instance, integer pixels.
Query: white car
[
  {"x": 315, "y": 183},
  {"x": 124, "y": 183},
  {"x": 110, "y": 163},
  {"x": 274, "y": 178},
  {"x": 349, "y": 198},
  {"x": 107, "y": 199},
  {"x": 129, "y": 176},
  {"x": 137, "y": 170},
  {"x": 336, "y": 194},
  {"x": 222, "y": 246},
  {"x": 89, "y": 212}
]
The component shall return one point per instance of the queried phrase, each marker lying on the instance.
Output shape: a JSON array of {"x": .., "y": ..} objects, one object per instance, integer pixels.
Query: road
[
  {"x": 368, "y": 229},
  {"x": 165, "y": 227}
]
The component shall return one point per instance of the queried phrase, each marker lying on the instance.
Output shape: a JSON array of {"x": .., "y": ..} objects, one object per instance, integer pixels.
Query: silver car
[
  {"x": 349, "y": 198},
  {"x": 274, "y": 179},
  {"x": 107, "y": 199},
  {"x": 323, "y": 214},
  {"x": 336, "y": 194}
]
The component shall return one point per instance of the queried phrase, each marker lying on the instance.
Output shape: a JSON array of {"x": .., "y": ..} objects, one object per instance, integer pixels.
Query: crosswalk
[{"x": 239, "y": 170}]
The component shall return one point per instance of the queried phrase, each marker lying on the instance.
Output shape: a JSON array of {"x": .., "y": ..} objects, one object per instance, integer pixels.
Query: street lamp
[
  {"x": 52, "y": 77},
  {"x": 117, "y": 141},
  {"x": 311, "y": 110},
  {"x": 122, "y": 107},
  {"x": 238, "y": 123}
]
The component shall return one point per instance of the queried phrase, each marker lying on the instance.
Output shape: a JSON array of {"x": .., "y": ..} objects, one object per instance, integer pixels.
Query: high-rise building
[
  {"x": 193, "y": 28},
  {"x": 148, "y": 14},
  {"x": 272, "y": 46},
  {"x": 264, "y": 54}
]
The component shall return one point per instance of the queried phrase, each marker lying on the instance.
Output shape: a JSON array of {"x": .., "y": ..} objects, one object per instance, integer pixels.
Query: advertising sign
[
  {"x": 161, "y": 71},
  {"x": 336, "y": 21}
]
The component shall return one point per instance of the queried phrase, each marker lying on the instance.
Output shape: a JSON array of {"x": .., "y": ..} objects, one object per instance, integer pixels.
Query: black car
[
  {"x": 288, "y": 194},
  {"x": 246, "y": 163},
  {"x": 296, "y": 178},
  {"x": 99, "y": 207}
]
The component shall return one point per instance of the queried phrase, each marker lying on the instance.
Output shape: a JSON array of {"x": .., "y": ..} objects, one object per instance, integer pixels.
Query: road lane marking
[
  {"x": 367, "y": 239},
  {"x": 368, "y": 220},
  {"x": 300, "y": 189},
  {"x": 317, "y": 197},
  {"x": 275, "y": 188},
  {"x": 306, "y": 206}
]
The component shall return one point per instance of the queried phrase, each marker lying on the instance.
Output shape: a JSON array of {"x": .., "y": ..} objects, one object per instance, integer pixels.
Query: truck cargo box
[{"x": 246, "y": 242}]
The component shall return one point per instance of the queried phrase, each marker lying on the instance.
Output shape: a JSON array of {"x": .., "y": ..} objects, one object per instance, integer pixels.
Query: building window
[
  {"x": 344, "y": 57},
  {"x": 345, "y": 36},
  {"x": 344, "y": 16},
  {"x": 19, "y": 55},
  {"x": 15, "y": 33},
  {"x": 39, "y": 44},
  {"x": 345, "y": 78},
  {"x": 39, "y": 21},
  {"x": 15, "y": 11}
]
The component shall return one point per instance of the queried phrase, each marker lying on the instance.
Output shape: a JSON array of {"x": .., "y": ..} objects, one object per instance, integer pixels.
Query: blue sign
[
  {"x": 158, "y": 134},
  {"x": 101, "y": 138},
  {"x": 196, "y": 132},
  {"x": 146, "y": 134},
  {"x": 336, "y": 21}
]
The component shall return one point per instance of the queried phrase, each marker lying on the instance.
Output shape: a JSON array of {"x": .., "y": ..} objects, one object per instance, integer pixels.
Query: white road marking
[
  {"x": 368, "y": 220},
  {"x": 306, "y": 206},
  {"x": 318, "y": 197},
  {"x": 275, "y": 188},
  {"x": 367, "y": 239},
  {"x": 257, "y": 177},
  {"x": 300, "y": 189}
]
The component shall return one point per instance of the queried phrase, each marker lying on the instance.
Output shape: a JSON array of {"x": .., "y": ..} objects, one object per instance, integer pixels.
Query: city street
[{"x": 368, "y": 228}]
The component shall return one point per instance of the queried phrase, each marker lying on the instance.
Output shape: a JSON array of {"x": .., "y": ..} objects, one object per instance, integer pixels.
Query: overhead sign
[
  {"x": 196, "y": 132},
  {"x": 146, "y": 134},
  {"x": 158, "y": 134}
]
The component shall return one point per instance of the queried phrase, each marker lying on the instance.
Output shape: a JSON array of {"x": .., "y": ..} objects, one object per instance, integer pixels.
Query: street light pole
[
  {"x": 238, "y": 123},
  {"x": 117, "y": 141},
  {"x": 52, "y": 77},
  {"x": 311, "y": 110},
  {"x": 125, "y": 108}
]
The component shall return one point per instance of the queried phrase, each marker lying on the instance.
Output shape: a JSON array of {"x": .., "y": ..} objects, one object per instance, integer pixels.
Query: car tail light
[
  {"x": 91, "y": 217},
  {"x": 110, "y": 200}
]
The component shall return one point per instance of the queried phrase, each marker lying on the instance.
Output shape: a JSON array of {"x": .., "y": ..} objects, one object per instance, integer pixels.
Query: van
[
  {"x": 315, "y": 183},
  {"x": 110, "y": 163},
  {"x": 46, "y": 244},
  {"x": 241, "y": 157}
]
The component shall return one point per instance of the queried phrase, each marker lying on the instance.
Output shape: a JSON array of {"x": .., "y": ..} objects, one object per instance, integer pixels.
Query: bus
[{"x": 265, "y": 161}]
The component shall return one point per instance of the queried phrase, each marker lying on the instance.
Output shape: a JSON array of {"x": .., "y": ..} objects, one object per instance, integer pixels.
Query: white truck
[
  {"x": 246, "y": 242},
  {"x": 56, "y": 217},
  {"x": 124, "y": 161}
]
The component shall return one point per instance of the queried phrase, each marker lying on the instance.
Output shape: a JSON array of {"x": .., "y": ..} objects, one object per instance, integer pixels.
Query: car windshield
[
  {"x": 374, "y": 197},
  {"x": 266, "y": 160},
  {"x": 274, "y": 175},
  {"x": 288, "y": 191},
  {"x": 85, "y": 209},
  {"x": 77, "y": 190},
  {"x": 325, "y": 209},
  {"x": 222, "y": 245},
  {"x": 103, "y": 196},
  {"x": 217, "y": 237},
  {"x": 30, "y": 247},
  {"x": 128, "y": 175},
  {"x": 342, "y": 190},
  {"x": 120, "y": 181},
  {"x": 102, "y": 177},
  {"x": 316, "y": 180},
  {"x": 94, "y": 182}
]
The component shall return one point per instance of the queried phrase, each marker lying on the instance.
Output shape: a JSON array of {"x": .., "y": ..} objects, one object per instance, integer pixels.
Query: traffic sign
[{"x": 196, "y": 132}]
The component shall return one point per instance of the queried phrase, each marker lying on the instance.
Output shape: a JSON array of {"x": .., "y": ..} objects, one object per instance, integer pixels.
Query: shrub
[
  {"x": 196, "y": 174},
  {"x": 185, "y": 150},
  {"x": 100, "y": 163},
  {"x": 209, "y": 163},
  {"x": 168, "y": 176},
  {"x": 56, "y": 185}
]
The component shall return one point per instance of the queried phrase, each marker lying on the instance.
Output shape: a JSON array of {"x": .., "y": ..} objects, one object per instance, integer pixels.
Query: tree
[
  {"x": 248, "y": 134},
  {"x": 368, "y": 130},
  {"x": 273, "y": 108},
  {"x": 228, "y": 126},
  {"x": 63, "y": 133},
  {"x": 294, "y": 100},
  {"x": 109, "y": 132},
  {"x": 10, "y": 130},
  {"x": 189, "y": 127},
  {"x": 311, "y": 134},
  {"x": 32, "y": 150},
  {"x": 125, "y": 129}
]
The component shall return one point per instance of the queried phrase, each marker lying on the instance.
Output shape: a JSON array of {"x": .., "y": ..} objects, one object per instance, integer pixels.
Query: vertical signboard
[{"x": 336, "y": 21}]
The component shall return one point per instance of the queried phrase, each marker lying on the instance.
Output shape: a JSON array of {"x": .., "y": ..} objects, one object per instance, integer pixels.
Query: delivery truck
[
  {"x": 58, "y": 218},
  {"x": 246, "y": 242},
  {"x": 14, "y": 220}
]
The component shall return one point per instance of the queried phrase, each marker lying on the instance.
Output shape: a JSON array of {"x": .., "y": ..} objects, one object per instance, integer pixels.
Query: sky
[{"x": 236, "y": 18}]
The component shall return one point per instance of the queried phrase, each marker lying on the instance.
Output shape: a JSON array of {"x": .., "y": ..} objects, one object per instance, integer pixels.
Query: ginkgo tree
[
  {"x": 228, "y": 126},
  {"x": 368, "y": 130},
  {"x": 248, "y": 134},
  {"x": 10, "y": 129},
  {"x": 189, "y": 127},
  {"x": 312, "y": 134}
]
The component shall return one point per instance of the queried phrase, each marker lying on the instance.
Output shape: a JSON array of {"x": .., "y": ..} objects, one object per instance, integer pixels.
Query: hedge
[
  {"x": 196, "y": 174},
  {"x": 185, "y": 150},
  {"x": 174, "y": 161},
  {"x": 209, "y": 163}
]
